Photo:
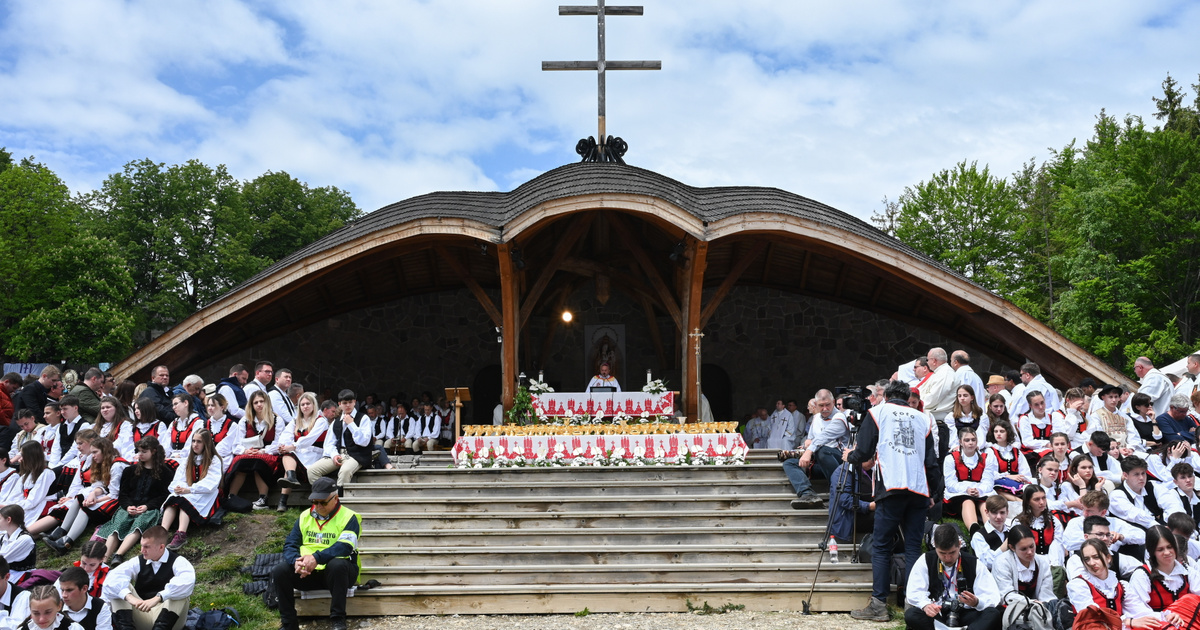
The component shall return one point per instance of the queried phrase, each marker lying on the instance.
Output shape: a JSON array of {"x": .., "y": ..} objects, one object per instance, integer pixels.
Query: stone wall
[{"x": 759, "y": 345}]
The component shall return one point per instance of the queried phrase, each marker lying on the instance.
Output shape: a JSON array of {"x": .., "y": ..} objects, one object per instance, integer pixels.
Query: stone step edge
[
  {"x": 582, "y": 549},
  {"x": 621, "y": 498},
  {"x": 663, "y": 514},
  {"x": 570, "y": 483},
  {"x": 625, "y": 531}
]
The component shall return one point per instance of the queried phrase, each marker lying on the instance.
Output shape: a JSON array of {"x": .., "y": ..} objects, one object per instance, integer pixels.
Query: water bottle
[{"x": 833, "y": 550}]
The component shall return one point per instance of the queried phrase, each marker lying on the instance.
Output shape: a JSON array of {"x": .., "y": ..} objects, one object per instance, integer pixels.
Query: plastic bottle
[{"x": 833, "y": 558}]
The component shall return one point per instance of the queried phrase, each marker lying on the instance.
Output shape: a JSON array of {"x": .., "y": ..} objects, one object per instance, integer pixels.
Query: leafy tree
[
  {"x": 84, "y": 318},
  {"x": 286, "y": 214},
  {"x": 964, "y": 217}
]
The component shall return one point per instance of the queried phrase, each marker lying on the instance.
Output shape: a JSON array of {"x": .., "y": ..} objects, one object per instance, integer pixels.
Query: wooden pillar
[
  {"x": 509, "y": 332},
  {"x": 691, "y": 297}
]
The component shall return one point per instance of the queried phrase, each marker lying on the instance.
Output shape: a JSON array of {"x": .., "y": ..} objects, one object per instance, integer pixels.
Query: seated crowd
[
  {"x": 122, "y": 471},
  {"x": 1076, "y": 499}
]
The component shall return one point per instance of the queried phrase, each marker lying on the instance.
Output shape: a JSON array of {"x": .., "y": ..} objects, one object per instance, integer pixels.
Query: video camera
[{"x": 854, "y": 402}]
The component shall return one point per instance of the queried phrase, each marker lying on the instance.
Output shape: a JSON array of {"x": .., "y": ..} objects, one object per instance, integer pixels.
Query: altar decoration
[
  {"x": 557, "y": 404},
  {"x": 614, "y": 445}
]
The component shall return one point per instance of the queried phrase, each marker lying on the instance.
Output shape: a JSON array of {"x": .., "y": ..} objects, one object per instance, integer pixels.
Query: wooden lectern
[{"x": 459, "y": 395}]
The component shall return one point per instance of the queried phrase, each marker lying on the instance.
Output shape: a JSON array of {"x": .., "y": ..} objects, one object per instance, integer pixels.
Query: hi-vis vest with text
[
  {"x": 901, "y": 447},
  {"x": 316, "y": 535}
]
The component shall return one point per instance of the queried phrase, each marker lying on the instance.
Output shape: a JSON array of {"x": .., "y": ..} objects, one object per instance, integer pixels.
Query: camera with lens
[
  {"x": 953, "y": 611},
  {"x": 854, "y": 402}
]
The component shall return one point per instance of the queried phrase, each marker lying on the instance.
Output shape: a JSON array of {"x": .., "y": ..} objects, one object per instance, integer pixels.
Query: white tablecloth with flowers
[
  {"x": 612, "y": 450},
  {"x": 603, "y": 403}
]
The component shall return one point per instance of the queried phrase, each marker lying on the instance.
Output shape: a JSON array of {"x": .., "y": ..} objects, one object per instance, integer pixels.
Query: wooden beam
[
  {"x": 401, "y": 279},
  {"x": 916, "y": 309},
  {"x": 509, "y": 331},
  {"x": 804, "y": 269},
  {"x": 879, "y": 284},
  {"x": 655, "y": 336},
  {"x": 552, "y": 327},
  {"x": 841, "y": 280},
  {"x": 431, "y": 260},
  {"x": 463, "y": 274},
  {"x": 767, "y": 263},
  {"x": 727, "y": 285},
  {"x": 656, "y": 281},
  {"x": 693, "y": 292},
  {"x": 578, "y": 227}
]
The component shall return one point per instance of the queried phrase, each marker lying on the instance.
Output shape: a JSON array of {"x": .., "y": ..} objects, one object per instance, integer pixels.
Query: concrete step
[
  {"x": 563, "y": 487},
  {"x": 499, "y": 556},
  {"x": 527, "y": 574},
  {"x": 478, "y": 505},
  {"x": 574, "y": 473},
  {"x": 599, "y": 598},
  {"x": 625, "y": 536},
  {"x": 584, "y": 520}
]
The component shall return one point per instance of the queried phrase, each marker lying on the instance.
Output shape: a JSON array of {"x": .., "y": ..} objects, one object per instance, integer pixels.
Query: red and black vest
[
  {"x": 1029, "y": 589},
  {"x": 180, "y": 437},
  {"x": 151, "y": 432},
  {"x": 1104, "y": 602},
  {"x": 1044, "y": 536},
  {"x": 97, "y": 579},
  {"x": 1007, "y": 466},
  {"x": 969, "y": 474},
  {"x": 1160, "y": 595},
  {"x": 268, "y": 436},
  {"x": 224, "y": 429},
  {"x": 1040, "y": 433}
]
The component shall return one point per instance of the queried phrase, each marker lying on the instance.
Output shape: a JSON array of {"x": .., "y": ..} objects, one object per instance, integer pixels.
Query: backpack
[
  {"x": 216, "y": 619},
  {"x": 1023, "y": 613}
]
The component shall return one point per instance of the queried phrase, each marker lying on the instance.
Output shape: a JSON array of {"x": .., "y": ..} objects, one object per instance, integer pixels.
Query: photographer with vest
[
  {"x": 902, "y": 439},
  {"x": 151, "y": 592},
  {"x": 349, "y": 444},
  {"x": 952, "y": 587},
  {"x": 320, "y": 553}
]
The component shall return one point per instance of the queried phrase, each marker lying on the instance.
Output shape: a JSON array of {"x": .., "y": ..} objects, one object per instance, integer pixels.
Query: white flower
[{"x": 619, "y": 452}]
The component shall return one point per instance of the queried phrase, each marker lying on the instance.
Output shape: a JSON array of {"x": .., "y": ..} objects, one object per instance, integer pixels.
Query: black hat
[
  {"x": 322, "y": 488},
  {"x": 1109, "y": 388}
]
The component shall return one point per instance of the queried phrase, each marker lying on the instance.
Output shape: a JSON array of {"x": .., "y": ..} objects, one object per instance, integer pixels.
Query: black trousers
[
  {"x": 337, "y": 576},
  {"x": 987, "y": 619}
]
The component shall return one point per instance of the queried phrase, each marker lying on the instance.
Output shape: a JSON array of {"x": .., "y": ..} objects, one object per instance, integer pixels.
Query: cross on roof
[{"x": 609, "y": 149}]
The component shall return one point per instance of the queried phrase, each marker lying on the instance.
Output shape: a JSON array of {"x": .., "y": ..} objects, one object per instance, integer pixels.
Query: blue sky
[{"x": 842, "y": 102}]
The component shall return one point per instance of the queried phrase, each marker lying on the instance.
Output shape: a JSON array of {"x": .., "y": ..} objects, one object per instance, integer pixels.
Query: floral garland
[
  {"x": 656, "y": 386},
  {"x": 717, "y": 455}
]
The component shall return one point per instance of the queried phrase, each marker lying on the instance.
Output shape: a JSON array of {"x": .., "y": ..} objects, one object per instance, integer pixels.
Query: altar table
[
  {"x": 606, "y": 403},
  {"x": 589, "y": 447}
]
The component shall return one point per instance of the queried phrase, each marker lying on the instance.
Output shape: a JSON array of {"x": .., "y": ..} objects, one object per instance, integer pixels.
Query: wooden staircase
[{"x": 557, "y": 540}]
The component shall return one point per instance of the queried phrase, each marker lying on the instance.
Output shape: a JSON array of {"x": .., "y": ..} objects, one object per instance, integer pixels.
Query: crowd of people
[
  {"x": 1069, "y": 500},
  {"x": 119, "y": 472}
]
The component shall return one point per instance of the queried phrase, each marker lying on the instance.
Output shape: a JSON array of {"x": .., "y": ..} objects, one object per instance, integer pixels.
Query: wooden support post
[
  {"x": 692, "y": 294},
  {"x": 464, "y": 274},
  {"x": 727, "y": 285},
  {"x": 652, "y": 323},
  {"x": 561, "y": 250},
  {"x": 643, "y": 259},
  {"x": 509, "y": 331}
]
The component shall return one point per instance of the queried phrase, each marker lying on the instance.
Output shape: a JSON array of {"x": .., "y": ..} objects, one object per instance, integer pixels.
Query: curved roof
[{"x": 432, "y": 242}]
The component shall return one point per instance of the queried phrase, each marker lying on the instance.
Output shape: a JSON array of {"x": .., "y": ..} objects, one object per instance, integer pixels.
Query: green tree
[
  {"x": 287, "y": 214},
  {"x": 84, "y": 318},
  {"x": 963, "y": 217}
]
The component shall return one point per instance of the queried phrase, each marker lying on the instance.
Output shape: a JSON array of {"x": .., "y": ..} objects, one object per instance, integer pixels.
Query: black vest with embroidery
[{"x": 147, "y": 583}]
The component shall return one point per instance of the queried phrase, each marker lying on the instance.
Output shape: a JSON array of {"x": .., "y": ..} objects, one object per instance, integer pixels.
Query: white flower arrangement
[
  {"x": 656, "y": 386},
  {"x": 614, "y": 458},
  {"x": 540, "y": 387}
]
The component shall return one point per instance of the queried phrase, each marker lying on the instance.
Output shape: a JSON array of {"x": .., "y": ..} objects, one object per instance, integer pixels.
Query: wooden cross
[{"x": 601, "y": 64}]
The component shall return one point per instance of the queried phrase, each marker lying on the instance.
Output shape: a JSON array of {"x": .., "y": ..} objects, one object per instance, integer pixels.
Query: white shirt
[
  {"x": 917, "y": 592},
  {"x": 1072, "y": 538},
  {"x": 119, "y": 582},
  {"x": 1159, "y": 389},
  {"x": 1057, "y": 553},
  {"x": 360, "y": 432},
  {"x": 982, "y": 549},
  {"x": 19, "y": 607},
  {"x": 955, "y": 487},
  {"x": 232, "y": 409},
  {"x": 937, "y": 393},
  {"x": 1008, "y": 571},
  {"x": 1125, "y": 565},
  {"x": 1137, "y": 593},
  {"x": 1135, "y": 511},
  {"x": 103, "y": 620},
  {"x": 1080, "y": 595},
  {"x": 282, "y": 405},
  {"x": 1020, "y": 404},
  {"x": 71, "y": 458},
  {"x": 831, "y": 431},
  {"x": 964, "y": 375},
  {"x": 598, "y": 381}
]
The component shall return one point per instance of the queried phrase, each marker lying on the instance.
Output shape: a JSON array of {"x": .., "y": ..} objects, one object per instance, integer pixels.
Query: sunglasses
[{"x": 322, "y": 503}]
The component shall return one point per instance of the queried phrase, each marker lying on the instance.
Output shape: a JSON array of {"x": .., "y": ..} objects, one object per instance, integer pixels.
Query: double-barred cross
[{"x": 601, "y": 64}]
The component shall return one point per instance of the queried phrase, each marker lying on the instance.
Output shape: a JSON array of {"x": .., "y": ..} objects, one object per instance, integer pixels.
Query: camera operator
[
  {"x": 855, "y": 503},
  {"x": 954, "y": 588},
  {"x": 907, "y": 467}
]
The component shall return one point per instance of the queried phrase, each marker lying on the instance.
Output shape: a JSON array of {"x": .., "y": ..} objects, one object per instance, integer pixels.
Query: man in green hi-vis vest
[{"x": 320, "y": 553}]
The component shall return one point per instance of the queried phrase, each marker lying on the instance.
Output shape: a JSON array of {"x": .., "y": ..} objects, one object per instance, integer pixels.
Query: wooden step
[
  {"x": 586, "y": 520},
  {"x": 490, "y": 489},
  {"x": 578, "y": 473},
  {"x": 395, "y": 539},
  {"x": 506, "y": 504},
  {"x": 599, "y": 598},
  {"x": 708, "y": 573},
  {"x": 580, "y": 555}
]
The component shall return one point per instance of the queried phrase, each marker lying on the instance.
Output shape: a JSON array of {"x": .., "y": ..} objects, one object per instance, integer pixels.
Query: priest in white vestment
[
  {"x": 604, "y": 379},
  {"x": 937, "y": 392},
  {"x": 1154, "y": 384}
]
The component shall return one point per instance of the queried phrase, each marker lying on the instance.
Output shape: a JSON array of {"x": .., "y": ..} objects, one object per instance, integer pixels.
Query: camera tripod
[{"x": 852, "y": 425}]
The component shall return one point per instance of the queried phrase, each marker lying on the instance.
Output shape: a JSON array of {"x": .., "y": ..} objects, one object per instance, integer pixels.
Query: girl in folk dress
[
  {"x": 80, "y": 481},
  {"x": 997, "y": 410},
  {"x": 146, "y": 421},
  {"x": 224, "y": 428},
  {"x": 1047, "y": 531},
  {"x": 302, "y": 445},
  {"x": 35, "y": 480},
  {"x": 966, "y": 414},
  {"x": 195, "y": 488},
  {"x": 1020, "y": 569},
  {"x": 16, "y": 545},
  {"x": 1099, "y": 585},
  {"x": 258, "y": 454},
  {"x": 1082, "y": 474},
  {"x": 143, "y": 489},
  {"x": 179, "y": 431},
  {"x": 969, "y": 477},
  {"x": 1154, "y": 586},
  {"x": 97, "y": 502},
  {"x": 8, "y": 481},
  {"x": 1061, "y": 498},
  {"x": 45, "y": 611},
  {"x": 112, "y": 423},
  {"x": 1010, "y": 464}
]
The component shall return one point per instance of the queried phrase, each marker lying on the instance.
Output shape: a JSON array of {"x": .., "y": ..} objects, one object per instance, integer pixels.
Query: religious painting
[{"x": 605, "y": 344}]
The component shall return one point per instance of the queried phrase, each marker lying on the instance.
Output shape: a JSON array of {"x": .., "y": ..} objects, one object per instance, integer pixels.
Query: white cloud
[{"x": 841, "y": 102}]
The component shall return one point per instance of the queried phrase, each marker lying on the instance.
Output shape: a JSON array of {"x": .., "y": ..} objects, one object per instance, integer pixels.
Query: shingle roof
[{"x": 497, "y": 209}]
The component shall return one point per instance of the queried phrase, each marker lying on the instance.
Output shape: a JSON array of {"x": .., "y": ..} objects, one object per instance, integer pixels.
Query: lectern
[{"x": 459, "y": 395}]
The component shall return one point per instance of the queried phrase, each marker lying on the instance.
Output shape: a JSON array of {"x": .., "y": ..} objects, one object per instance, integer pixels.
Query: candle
[{"x": 647, "y": 376}]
